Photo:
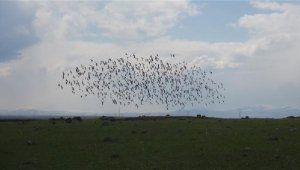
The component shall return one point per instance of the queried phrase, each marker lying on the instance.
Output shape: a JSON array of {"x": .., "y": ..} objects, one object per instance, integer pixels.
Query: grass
[{"x": 167, "y": 143}]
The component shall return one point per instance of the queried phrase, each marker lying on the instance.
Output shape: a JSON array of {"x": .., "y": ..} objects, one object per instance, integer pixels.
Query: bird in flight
[{"x": 133, "y": 80}]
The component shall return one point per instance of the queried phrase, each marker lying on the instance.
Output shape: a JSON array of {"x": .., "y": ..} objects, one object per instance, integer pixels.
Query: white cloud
[
  {"x": 277, "y": 35},
  {"x": 274, "y": 6},
  {"x": 283, "y": 22},
  {"x": 122, "y": 20},
  {"x": 5, "y": 70},
  {"x": 142, "y": 18},
  {"x": 59, "y": 21}
]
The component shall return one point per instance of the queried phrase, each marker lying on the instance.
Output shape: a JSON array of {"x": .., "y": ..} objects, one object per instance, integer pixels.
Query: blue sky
[
  {"x": 251, "y": 46},
  {"x": 12, "y": 21},
  {"x": 215, "y": 23}
]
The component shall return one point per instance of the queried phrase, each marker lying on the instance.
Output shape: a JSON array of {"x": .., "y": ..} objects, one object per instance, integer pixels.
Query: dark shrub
[
  {"x": 144, "y": 131},
  {"x": 107, "y": 139},
  {"x": 108, "y": 118},
  {"x": 201, "y": 116},
  {"x": 115, "y": 156},
  {"x": 246, "y": 117},
  {"x": 273, "y": 138},
  {"x": 68, "y": 120},
  {"x": 78, "y": 118}
]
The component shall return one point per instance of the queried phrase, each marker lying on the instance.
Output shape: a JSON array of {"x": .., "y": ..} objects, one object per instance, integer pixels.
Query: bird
[{"x": 133, "y": 80}]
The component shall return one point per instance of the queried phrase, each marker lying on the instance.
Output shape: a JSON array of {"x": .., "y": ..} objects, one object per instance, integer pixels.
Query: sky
[{"x": 251, "y": 46}]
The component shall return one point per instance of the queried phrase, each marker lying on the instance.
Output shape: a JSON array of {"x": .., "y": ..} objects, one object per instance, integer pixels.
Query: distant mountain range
[
  {"x": 41, "y": 114},
  {"x": 252, "y": 112}
]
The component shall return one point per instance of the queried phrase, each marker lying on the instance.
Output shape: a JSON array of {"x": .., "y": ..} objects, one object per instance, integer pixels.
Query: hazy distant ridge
[{"x": 254, "y": 112}]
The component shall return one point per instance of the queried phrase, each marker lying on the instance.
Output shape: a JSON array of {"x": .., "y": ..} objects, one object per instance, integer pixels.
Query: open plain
[{"x": 150, "y": 143}]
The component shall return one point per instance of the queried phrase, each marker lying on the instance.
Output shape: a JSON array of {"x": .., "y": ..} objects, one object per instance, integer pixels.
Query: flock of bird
[{"x": 133, "y": 80}]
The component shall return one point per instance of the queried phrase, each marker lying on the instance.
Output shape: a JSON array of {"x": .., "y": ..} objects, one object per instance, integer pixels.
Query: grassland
[{"x": 160, "y": 143}]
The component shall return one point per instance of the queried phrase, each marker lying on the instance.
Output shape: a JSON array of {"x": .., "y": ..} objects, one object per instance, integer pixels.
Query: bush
[
  {"x": 201, "y": 116},
  {"x": 246, "y": 117},
  {"x": 68, "y": 120},
  {"x": 78, "y": 118}
]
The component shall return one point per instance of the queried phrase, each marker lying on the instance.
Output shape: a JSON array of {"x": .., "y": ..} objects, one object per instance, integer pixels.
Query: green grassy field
[{"x": 167, "y": 143}]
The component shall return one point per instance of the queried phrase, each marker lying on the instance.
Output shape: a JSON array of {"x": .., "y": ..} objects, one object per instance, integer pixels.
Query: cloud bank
[{"x": 263, "y": 70}]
